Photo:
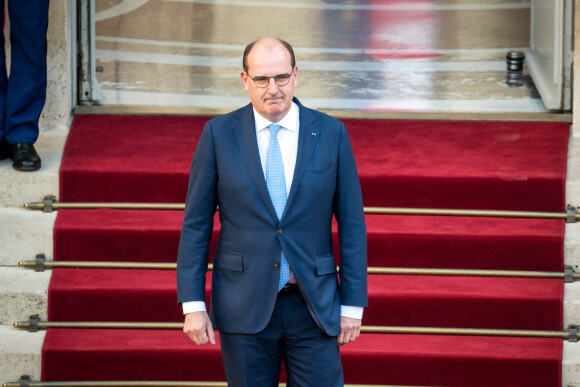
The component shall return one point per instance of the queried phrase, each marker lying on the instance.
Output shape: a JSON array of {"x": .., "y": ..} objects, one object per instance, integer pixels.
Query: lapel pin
[{"x": 314, "y": 133}]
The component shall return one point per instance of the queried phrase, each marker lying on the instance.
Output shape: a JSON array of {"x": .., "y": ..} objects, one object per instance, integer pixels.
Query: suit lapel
[
  {"x": 309, "y": 135},
  {"x": 248, "y": 147}
]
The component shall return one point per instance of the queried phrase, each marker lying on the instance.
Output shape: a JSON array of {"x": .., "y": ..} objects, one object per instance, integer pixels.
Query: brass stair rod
[
  {"x": 41, "y": 325},
  {"x": 467, "y": 213},
  {"x": 472, "y": 273},
  {"x": 368, "y": 210},
  {"x": 103, "y": 265},
  {"x": 364, "y": 329},
  {"x": 370, "y": 270},
  {"x": 466, "y": 332},
  {"x": 114, "y": 206}
]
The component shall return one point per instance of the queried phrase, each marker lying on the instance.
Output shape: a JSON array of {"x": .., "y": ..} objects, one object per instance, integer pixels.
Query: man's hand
[
  {"x": 198, "y": 328},
  {"x": 349, "y": 330}
]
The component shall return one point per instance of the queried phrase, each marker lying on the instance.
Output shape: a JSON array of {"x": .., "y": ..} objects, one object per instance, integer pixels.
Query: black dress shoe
[
  {"x": 4, "y": 151},
  {"x": 25, "y": 157}
]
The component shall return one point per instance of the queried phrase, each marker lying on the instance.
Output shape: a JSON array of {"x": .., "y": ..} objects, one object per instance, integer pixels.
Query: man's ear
[
  {"x": 245, "y": 80},
  {"x": 295, "y": 76}
]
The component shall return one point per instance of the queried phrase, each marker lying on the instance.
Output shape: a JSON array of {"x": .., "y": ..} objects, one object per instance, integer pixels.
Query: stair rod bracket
[
  {"x": 48, "y": 201},
  {"x": 25, "y": 381},
  {"x": 573, "y": 333},
  {"x": 568, "y": 274},
  {"x": 33, "y": 323},
  {"x": 571, "y": 213},
  {"x": 39, "y": 263}
]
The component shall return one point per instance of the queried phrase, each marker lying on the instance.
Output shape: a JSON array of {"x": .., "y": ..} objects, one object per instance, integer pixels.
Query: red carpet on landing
[{"x": 438, "y": 164}]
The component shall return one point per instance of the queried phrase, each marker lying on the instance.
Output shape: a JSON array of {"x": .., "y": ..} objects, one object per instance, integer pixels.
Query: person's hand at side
[
  {"x": 198, "y": 328},
  {"x": 349, "y": 330}
]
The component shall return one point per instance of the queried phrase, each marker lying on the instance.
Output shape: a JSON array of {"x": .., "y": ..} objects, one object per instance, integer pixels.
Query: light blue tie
[{"x": 276, "y": 183}]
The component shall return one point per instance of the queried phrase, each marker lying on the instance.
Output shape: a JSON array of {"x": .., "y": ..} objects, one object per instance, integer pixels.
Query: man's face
[{"x": 268, "y": 60}]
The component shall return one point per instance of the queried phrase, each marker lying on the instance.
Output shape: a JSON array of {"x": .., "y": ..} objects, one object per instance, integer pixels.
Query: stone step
[
  {"x": 20, "y": 353},
  {"x": 24, "y": 234},
  {"x": 23, "y": 293},
  {"x": 18, "y": 188},
  {"x": 571, "y": 364}
]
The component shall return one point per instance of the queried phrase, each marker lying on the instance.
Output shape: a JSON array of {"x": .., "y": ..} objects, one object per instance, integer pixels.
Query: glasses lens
[
  {"x": 282, "y": 79},
  {"x": 261, "y": 81}
]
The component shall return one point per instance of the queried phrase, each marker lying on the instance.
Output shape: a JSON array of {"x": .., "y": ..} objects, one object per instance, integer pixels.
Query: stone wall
[{"x": 59, "y": 99}]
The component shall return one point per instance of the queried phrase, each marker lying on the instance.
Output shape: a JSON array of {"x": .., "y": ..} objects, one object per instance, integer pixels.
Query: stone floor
[{"x": 367, "y": 56}]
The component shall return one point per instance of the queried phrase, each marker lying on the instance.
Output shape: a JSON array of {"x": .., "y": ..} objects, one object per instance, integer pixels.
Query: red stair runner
[
  {"x": 394, "y": 300},
  {"x": 440, "y": 164},
  {"x": 373, "y": 359},
  {"x": 393, "y": 241}
]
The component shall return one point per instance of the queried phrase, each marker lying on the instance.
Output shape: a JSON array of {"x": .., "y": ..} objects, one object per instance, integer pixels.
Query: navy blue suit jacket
[{"x": 226, "y": 172}]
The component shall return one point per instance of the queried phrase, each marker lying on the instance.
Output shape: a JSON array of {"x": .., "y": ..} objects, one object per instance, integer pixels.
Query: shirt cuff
[
  {"x": 351, "y": 311},
  {"x": 345, "y": 310},
  {"x": 193, "y": 306}
]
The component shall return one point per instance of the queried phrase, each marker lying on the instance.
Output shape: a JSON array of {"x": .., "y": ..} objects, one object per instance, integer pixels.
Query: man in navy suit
[
  {"x": 276, "y": 295},
  {"x": 23, "y": 94}
]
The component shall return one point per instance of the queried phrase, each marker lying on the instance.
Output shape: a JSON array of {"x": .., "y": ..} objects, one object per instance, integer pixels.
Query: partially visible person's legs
[
  {"x": 4, "y": 151},
  {"x": 25, "y": 90}
]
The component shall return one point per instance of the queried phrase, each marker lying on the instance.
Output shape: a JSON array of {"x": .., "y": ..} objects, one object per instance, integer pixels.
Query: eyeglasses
[{"x": 280, "y": 79}]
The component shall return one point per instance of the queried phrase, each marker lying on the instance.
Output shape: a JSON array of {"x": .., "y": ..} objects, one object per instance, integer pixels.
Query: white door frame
[
  {"x": 88, "y": 91},
  {"x": 550, "y": 56}
]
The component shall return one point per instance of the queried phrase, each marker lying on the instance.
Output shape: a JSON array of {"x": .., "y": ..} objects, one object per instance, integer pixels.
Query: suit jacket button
[
  {"x": 276, "y": 266},
  {"x": 280, "y": 232}
]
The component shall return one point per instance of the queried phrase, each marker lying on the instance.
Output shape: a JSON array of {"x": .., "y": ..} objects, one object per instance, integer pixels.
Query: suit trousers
[
  {"x": 23, "y": 94},
  {"x": 310, "y": 356}
]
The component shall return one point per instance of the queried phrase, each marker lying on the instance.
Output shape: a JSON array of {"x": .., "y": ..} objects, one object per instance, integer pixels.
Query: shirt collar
[{"x": 290, "y": 121}]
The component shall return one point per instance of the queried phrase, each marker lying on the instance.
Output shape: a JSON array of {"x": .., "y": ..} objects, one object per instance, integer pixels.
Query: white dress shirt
[{"x": 288, "y": 140}]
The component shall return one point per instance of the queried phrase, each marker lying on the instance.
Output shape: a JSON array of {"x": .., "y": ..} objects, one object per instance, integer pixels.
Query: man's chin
[
  {"x": 276, "y": 110},
  {"x": 274, "y": 102}
]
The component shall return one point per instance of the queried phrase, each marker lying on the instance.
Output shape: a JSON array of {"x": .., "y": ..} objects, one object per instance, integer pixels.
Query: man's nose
[{"x": 272, "y": 86}]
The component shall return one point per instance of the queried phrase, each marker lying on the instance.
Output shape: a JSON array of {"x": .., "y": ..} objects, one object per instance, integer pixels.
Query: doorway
[{"x": 372, "y": 56}]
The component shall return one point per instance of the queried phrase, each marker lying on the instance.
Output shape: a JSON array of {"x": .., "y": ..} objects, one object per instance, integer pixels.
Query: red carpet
[
  {"x": 440, "y": 164},
  {"x": 373, "y": 359},
  {"x": 393, "y": 241},
  {"x": 462, "y": 302}
]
